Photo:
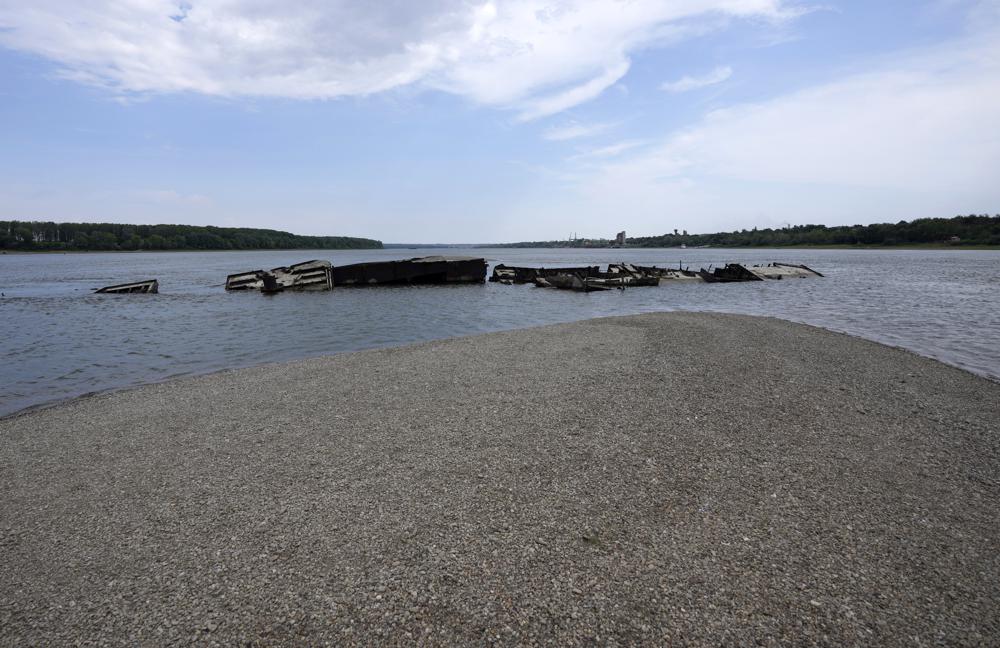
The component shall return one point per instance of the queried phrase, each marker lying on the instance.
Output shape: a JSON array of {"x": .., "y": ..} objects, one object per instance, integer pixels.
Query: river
[{"x": 59, "y": 340}]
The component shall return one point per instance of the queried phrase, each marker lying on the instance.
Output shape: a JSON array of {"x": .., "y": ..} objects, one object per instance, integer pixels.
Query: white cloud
[
  {"x": 560, "y": 101},
  {"x": 533, "y": 56},
  {"x": 684, "y": 84},
  {"x": 915, "y": 135},
  {"x": 611, "y": 150},
  {"x": 574, "y": 130}
]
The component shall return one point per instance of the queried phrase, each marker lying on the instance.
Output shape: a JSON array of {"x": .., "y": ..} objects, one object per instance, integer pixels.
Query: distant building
[{"x": 620, "y": 239}]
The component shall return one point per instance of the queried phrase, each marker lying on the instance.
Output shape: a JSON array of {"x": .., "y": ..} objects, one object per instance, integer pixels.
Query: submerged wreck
[
  {"x": 149, "y": 286},
  {"x": 308, "y": 275},
  {"x": 735, "y": 272},
  {"x": 515, "y": 275},
  {"x": 591, "y": 278},
  {"x": 663, "y": 274},
  {"x": 321, "y": 275},
  {"x": 421, "y": 270},
  {"x": 574, "y": 281},
  {"x": 626, "y": 275}
]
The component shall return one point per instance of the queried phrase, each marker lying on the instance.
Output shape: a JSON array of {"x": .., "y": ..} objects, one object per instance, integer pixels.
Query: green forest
[
  {"x": 33, "y": 235},
  {"x": 972, "y": 230}
]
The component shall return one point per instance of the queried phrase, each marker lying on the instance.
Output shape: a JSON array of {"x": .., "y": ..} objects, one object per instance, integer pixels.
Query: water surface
[{"x": 59, "y": 340}]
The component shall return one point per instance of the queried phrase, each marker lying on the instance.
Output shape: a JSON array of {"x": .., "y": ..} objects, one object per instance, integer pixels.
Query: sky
[{"x": 471, "y": 121}]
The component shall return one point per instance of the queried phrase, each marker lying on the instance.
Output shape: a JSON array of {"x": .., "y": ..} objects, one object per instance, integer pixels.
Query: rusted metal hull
[{"x": 149, "y": 286}]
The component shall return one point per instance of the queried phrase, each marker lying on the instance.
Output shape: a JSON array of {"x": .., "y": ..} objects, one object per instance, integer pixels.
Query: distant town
[{"x": 972, "y": 230}]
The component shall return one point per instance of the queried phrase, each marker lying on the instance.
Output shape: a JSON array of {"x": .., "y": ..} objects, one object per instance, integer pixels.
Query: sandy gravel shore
[{"x": 663, "y": 479}]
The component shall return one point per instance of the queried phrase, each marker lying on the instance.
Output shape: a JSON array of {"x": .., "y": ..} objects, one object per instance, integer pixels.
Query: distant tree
[
  {"x": 103, "y": 241},
  {"x": 24, "y": 236}
]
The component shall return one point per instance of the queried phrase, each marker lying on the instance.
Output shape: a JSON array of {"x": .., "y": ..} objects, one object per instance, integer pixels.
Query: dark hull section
[
  {"x": 732, "y": 272},
  {"x": 425, "y": 270}
]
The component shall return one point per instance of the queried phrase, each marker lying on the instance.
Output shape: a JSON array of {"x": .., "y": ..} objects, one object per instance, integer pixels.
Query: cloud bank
[
  {"x": 917, "y": 131},
  {"x": 533, "y": 56}
]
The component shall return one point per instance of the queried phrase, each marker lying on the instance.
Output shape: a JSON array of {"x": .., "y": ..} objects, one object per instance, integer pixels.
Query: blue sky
[{"x": 474, "y": 121}]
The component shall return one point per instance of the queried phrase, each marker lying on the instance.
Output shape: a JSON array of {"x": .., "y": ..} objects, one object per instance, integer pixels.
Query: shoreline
[
  {"x": 59, "y": 402},
  {"x": 688, "y": 478},
  {"x": 434, "y": 246},
  {"x": 970, "y": 248}
]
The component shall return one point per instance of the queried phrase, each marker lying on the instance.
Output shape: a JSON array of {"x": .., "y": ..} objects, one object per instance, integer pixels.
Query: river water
[{"x": 58, "y": 340}]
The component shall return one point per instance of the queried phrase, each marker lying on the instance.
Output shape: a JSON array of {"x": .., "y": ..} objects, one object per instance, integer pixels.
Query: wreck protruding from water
[
  {"x": 321, "y": 275},
  {"x": 148, "y": 286},
  {"x": 661, "y": 274},
  {"x": 627, "y": 275},
  {"x": 735, "y": 272},
  {"x": 421, "y": 270},
  {"x": 308, "y": 275},
  {"x": 518, "y": 275}
]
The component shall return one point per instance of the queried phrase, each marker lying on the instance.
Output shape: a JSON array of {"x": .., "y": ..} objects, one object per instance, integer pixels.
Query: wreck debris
[
  {"x": 624, "y": 275},
  {"x": 149, "y": 286},
  {"x": 662, "y": 274},
  {"x": 308, "y": 275},
  {"x": 321, "y": 275},
  {"x": 733, "y": 272},
  {"x": 572, "y": 281},
  {"x": 784, "y": 271},
  {"x": 515, "y": 275}
]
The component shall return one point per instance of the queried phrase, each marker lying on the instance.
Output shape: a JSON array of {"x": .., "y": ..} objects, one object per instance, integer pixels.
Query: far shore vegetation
[
  {"x": 35, "y": 236},
  {"x": 964, "y": 232}
]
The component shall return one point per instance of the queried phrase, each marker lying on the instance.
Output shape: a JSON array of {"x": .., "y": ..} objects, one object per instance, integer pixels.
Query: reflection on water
[{"x": 59, "y": 340}]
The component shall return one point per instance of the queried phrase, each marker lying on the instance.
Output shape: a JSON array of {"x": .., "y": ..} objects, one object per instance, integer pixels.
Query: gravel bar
[{"x": 663, "y": 479}]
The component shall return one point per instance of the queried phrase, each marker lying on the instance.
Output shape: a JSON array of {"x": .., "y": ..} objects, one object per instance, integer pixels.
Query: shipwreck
[
  {"x": 308, "y": 275},
  {"x": 517, "y": 275},
  {"x": 149, "y": 286},
  {"x": 626, "y": 275},
  {"x": 735, "y": 272},
  {"x": 321, "y": 275},
  {"x": 421, "y": 270}
]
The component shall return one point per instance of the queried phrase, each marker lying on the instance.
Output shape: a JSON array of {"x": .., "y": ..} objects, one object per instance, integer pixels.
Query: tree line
[
  {"x": 35, "y": 235},
  {"x": 959, "y": 231}
]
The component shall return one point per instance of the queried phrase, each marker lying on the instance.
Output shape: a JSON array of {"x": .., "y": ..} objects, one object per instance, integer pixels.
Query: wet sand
[{"x": 658, "y": 479}]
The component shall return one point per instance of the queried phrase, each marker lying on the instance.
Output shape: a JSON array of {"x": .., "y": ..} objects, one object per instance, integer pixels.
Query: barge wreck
[
  {"x": 149, "y": 286},
  {"x": 735, "y": 272},
  {"x": 421, "y": 270},
  {"x": 321, "y": 275}
]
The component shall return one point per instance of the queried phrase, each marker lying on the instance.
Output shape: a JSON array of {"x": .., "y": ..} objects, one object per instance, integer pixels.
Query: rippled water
[{"x": 60, "y": 341}]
